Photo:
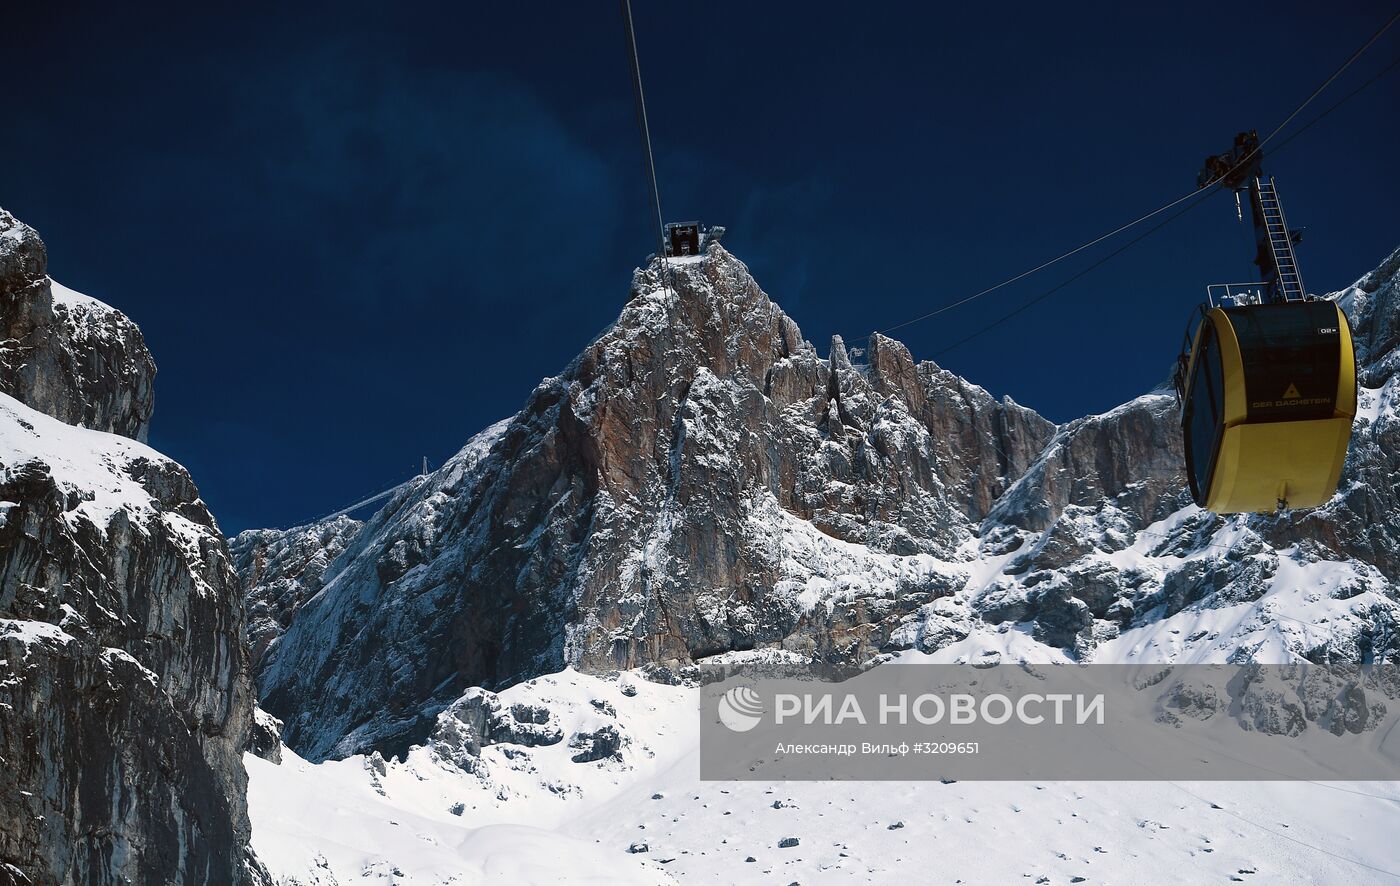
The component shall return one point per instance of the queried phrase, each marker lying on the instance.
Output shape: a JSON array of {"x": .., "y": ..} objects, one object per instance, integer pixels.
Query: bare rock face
[
  {"x": 1130, "y": 459},
  {"x": 701, "y": 484},
  {"x": 124, "y": 694},
  {"x": 981, "y": 444},
  {"x": 281, "y": 569},
  {"x": 63, "y": 353}
]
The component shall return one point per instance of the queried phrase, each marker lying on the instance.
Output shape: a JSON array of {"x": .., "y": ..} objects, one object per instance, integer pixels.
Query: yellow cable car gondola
[
  {"x": 1270, "y": 396},
  {"x": 1268, "y": 386}
]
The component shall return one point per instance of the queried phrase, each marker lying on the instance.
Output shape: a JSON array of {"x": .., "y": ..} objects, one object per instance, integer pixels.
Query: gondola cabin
[{"x": 1269, "y": 399}]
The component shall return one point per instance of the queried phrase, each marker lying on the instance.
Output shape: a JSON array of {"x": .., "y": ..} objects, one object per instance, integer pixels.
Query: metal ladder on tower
[{"x": 1290, "y": 284}]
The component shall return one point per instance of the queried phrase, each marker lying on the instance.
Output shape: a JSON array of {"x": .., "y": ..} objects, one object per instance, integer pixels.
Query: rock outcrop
[
  {"x": 63, "y": 353},
  {"x": 281, "y": 569},
  {"x": 125, "y": 701},
  {"x": 700, "y": 483}
]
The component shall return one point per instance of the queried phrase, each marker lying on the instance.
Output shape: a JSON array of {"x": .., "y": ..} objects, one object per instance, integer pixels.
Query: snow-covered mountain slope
[
  {"x": 124, "y": 693},
  {"x": 525, "y": 812},
  {"x": 698, "y": 482},
  {"x": 495, "y": 818}
]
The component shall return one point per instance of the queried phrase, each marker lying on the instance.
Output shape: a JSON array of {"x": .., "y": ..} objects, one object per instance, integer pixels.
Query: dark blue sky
[{"x": 355, "y": 235}]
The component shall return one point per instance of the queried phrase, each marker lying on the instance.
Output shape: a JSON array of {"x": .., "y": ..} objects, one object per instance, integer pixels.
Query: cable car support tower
[{"x": 1240, "y": 170}]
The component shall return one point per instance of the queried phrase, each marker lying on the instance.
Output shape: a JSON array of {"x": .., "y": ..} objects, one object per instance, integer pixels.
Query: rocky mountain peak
[
  {"x": 63, "y": 353},
  {"x": 615, "y": 520},
  {"x": 701, "y": 484}
]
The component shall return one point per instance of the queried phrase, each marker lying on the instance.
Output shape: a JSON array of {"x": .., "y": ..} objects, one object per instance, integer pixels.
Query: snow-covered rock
[
  {"x": 124, "y": 695},
  {"x": 63, "y": 353}
]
